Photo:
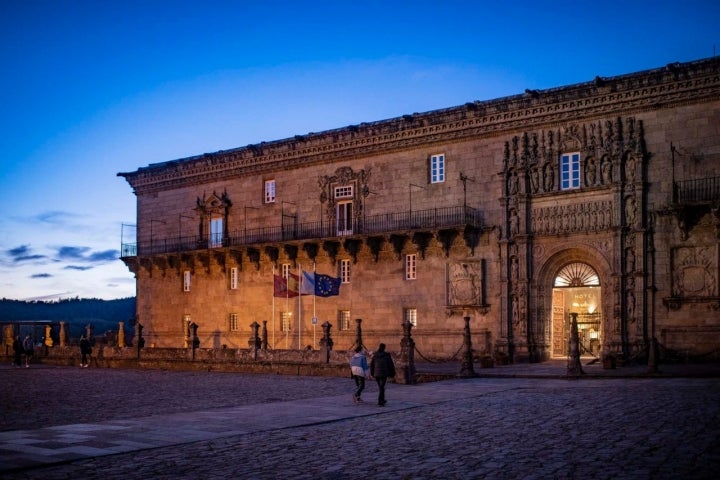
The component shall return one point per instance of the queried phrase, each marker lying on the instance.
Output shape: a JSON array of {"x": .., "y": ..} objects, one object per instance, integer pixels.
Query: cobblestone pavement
[{"x": 664, "y": 428}]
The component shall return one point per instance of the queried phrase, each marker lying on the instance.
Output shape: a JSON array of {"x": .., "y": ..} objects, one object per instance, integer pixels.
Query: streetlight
[
  {"x": 151, "y": 233},
  {"x": 180, "y": 217},
  {"x": 410, "y": 191},
  {"x": 245, "y": 222}
]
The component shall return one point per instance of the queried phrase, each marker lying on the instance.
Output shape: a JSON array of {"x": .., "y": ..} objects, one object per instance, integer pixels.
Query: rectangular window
[
  {"x": 437, "y": 168},
  {"x": 345, "y": 271},
  {"x": 186, "y": 281},
  {"x": 216, "y": 232},
  {"x": 344, "y": 192},
  {"x": 344, "y": 218},
  {"x": 285, "y": 270},
  {"x": 410, "y": 315},
  {"x": 570, "y": 171},
  {"x": 410, "y": 266},
  {"x": 344, "y": 319},
  {"x": 234, "y": 322},
  {"x": 270, "y": 191},
  {"x": 233, "y": 278},
  {"x": 285, "y": 321}
]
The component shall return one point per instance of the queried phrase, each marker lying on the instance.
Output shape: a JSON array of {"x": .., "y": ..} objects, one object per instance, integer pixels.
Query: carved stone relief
[
  {"x": 694, "y": 272},
  {"x": 465, "y": 283}
]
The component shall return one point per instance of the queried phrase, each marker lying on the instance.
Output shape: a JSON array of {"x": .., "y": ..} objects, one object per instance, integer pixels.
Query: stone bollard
[
  {"x": 48, "y": 336},
  {"x": 121, "y": 335},
  {"x": 406, "y": 361},
  {"x": 574, "y": 367},
  {"x": 254, "y": 341},
  {"x": 264, "y": 336},
  {"x": 358, "y": 334},
  {"x": 467, "y": 369},
  {"x": 326, "y": 342},
  {"x": 195, "y": 339}
]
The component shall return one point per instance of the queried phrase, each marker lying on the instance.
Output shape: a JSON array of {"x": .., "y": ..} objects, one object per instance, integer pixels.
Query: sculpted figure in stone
[
  {"x": 590, "y": 172},
  {"x": 606, "y": 171}
]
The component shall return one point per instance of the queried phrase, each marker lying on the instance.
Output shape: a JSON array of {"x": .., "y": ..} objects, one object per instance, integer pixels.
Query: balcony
[
  {"x": 702, "y": 191},
  {"x": 458, "y": 217}
]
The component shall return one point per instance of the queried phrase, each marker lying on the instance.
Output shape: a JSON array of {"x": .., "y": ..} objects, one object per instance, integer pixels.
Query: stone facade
[{"x": 599, "y": 198}]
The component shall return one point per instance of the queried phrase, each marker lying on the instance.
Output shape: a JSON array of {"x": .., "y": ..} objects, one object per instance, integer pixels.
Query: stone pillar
[
  {"x": 63, "y": 334},
  {"x": 195, "y": 339},
  {"x": 574, "y": 367},
  {"x": 406, "y": 361},
  {"x": 467, "y": 369},
  {"x": 48, "y": 336},
  {"x": 264, "y": 336},
  {"x": 254, "y": 341},
  {"x": 121, "y": 335},
  {"x": 326, "y": 342},
  {"x": 358, "y": 333}
]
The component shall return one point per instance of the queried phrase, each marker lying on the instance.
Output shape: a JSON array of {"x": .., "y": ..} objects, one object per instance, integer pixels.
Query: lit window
[
  {"x": 345, "y": 271},
  {"x": 344, "y": 319},
  {"x": 216, "y": 232},
  {"x": 569, "y": 171},
  {"x": 234, "y": 322},
  {"x": 269, "y": 191},
  {"x": 410, "y": 315},
  {"x": 285, "y": 321},
  {"x": 344, "y": 192},
  {"x": 410, "y": 266},
  {"x": 437, "y": 168},
  {"x": 233, "y": 278},
  {"x": 186, "y": 281}
]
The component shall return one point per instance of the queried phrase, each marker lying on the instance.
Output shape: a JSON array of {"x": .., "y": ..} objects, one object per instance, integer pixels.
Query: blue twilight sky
[{"x": 92, "y": 88}]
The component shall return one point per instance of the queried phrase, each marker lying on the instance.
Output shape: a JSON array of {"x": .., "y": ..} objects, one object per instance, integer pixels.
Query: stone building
[{"x": 599, "y": 199}]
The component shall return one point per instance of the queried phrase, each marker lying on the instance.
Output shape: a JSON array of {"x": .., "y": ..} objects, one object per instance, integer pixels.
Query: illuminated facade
[{"x": 599, "y": 199}]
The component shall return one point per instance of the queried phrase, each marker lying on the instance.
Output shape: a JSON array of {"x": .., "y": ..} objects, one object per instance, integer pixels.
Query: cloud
[
  {"x": 77, "y": 267},
  {"x": 54, "y": 217},
  {"x": 41, "y": 275},
  {"x": 23, "y": 253},
  {"x": 72, "y": 253},
  {"x": 105, "y": 256},
  {"x": 86, "y": 255}
]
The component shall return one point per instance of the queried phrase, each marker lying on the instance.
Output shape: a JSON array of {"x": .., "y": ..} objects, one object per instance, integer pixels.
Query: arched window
[{"x": 577, "y": 275}]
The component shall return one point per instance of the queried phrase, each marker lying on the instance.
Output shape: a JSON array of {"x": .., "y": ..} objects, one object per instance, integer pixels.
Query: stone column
[
  {"x": 63, "y": 334},
  {"x": 467, "y": 369},
  {"x": 407, "y": 356},
  {"x": 574, "y": 367},
  {"x": 48, "y": 336},
  {"x": 326, "y": 343},
  {"x": 121, "y": 335}
]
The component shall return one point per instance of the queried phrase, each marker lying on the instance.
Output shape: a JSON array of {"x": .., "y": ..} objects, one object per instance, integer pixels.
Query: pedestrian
[
  {"x": 85, "y": 350},
  {"x": 382, "y": 368},
  {"x": 28, "y": 348},
  {"x": 359, "y": 370},
  {"x": 17, "y": 352}
]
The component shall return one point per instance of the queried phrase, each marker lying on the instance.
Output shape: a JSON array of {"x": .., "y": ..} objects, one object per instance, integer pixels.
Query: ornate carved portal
[{"x": 559, "y": 186}]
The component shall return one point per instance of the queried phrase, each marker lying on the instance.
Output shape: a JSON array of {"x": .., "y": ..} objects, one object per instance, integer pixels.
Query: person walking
[
  {"x": 28, "y": 348},
  {"x": 17, "y": 352},
  {"x": 85, "y": 350},
  {"x": 382, "y": 367},
  {"x": 359, "y": 370}
]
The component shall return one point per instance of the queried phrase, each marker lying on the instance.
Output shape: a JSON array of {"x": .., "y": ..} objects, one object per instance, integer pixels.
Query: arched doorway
[{"x": 576, "y": 289}]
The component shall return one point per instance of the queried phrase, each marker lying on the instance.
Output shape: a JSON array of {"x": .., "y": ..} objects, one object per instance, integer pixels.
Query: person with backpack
[
  {"x": 359, "y": 370},
  {"x": 28, "y": 348},
  {"x": 382, "y": 367}
]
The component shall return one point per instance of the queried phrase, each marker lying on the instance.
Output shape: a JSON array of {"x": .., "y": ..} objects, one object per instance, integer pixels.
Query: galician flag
[
  {"x": 319, "y": 285},
  {"x": 285, "y": 287}
]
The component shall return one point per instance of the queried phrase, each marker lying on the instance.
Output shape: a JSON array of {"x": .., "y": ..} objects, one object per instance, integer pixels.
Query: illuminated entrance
[{"x": 576, "y": 290}]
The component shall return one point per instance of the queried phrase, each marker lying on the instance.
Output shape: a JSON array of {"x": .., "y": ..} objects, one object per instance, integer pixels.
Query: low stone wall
[{"x": 282, "y": 362}]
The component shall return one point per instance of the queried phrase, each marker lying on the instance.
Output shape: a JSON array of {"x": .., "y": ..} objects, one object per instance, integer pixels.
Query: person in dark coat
[
  {"x": 17, "y": 351},
  {"x": 85, "y": 350},
  {"x": 382, "y": 367}
]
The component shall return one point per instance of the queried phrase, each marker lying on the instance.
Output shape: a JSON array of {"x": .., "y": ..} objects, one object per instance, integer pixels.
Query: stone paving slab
[{"x": 301, "y": 427}]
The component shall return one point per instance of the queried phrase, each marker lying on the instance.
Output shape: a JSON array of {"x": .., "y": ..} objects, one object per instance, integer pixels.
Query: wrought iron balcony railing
[
  {"x": 700, "y": 191},
  {"x": 444, "y": 217}
]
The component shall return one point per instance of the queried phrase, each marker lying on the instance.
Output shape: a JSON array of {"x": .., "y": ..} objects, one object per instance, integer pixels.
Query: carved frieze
[{"x": 572, "y": 218}]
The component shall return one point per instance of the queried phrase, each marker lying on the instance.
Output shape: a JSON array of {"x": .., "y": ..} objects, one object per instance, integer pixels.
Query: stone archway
[{"x": 578, "y": 281}]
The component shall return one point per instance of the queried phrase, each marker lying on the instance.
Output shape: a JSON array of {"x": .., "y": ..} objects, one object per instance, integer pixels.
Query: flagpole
[
  {"x": 273, "y": 306},
  {"x": 299, "y": 307},
  {"x": 314, "y": 312},
  {"x": 287, "y": 304}
]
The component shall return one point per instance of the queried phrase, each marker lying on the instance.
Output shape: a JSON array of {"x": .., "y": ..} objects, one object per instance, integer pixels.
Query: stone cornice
[{"x": 670, "y": 86}]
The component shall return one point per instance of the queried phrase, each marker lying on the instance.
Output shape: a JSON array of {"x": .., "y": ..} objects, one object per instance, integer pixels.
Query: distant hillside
[{"x": 103, "y": 315}]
